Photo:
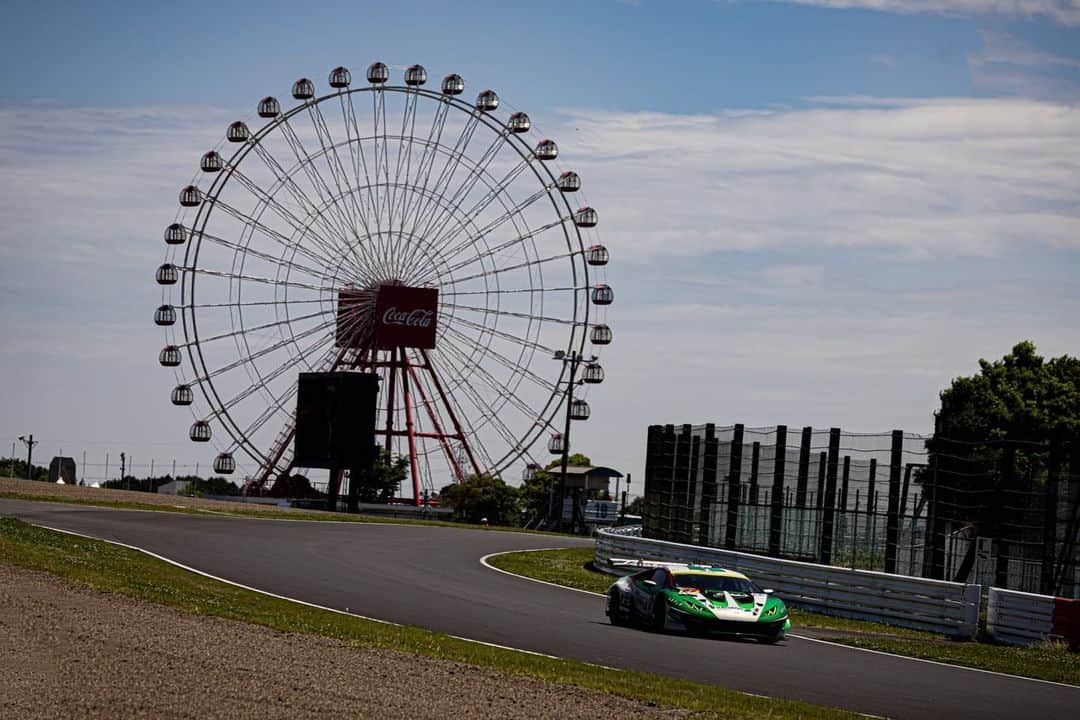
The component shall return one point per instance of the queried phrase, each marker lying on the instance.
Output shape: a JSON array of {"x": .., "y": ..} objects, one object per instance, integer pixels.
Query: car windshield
[{"x": 715, "y": 583}]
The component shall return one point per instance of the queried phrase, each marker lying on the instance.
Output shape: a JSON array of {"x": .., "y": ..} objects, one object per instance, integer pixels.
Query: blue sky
[
  {"x": 679, "y": 57},
  {"x": 819, "y": 212}
]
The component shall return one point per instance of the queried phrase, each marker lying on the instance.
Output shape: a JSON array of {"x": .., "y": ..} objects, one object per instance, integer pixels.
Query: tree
[
  {"x": 294, "y": 486},
  {"x": 215, "y": 485},
  {"x": 482, "y": 497},
  {"x": 381, "y": 482},
  {"x": 536, "y": 492},
  {"x": 1002, "y": 439},
  {"x": 1021, "y": 401},
  {"x": 1020, "y": 397}
]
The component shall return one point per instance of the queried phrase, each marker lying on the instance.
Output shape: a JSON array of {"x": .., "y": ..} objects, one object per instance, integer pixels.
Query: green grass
[
  {"x": 111, "y": 568},
  {"x": 261, "y": 512},
  {"x": 1046, "y": 662}
]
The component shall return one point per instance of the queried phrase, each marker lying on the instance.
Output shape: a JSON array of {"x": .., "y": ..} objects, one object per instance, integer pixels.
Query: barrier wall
[
  {"x": 1020, "y": 618},
  {"x": 933, "y": 605}
]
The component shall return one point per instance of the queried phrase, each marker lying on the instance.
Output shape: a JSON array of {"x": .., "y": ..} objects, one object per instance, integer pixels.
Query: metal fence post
[
  {"x": 871, "y": 499},
  {"x": 776, "y": 511},
  {"x": 693, "y": 492},
  {"x": 892, "y": 522},
  {"x": 755, "y": 457},
  {"x": 708, "y": 485},
  {"x": 734, "y": 477},
  {"x": 680, "y": 486},
  {"x": 804, "y": 467},
  {"x": 650, "y": 514},
  {"x": 829, "y": 505},
  {"x": 844, "y": 484}
]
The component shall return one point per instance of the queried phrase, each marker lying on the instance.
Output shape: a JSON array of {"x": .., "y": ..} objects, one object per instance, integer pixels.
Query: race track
[{"x": 432, "y": 577}]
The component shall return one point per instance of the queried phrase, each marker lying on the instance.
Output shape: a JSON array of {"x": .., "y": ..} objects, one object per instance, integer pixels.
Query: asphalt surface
[{"x": 432, "y": 577}]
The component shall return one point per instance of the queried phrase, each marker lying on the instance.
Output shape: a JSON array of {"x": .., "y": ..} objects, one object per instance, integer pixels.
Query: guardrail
[
  {"x": 1020, "y": 618},
  {"x": 933, "y": 605}
]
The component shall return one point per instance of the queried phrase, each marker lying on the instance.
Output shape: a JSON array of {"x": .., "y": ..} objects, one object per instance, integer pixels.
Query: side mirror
[
  {"x": 649, "y": 583},
  {"x": 768, "y": 591}
]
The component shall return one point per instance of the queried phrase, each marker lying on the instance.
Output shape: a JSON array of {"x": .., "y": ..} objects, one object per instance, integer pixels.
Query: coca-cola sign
[{"x": 406, "y": 317}]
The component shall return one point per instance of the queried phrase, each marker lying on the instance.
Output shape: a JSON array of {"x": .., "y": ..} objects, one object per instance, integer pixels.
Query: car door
[
  {"x": 646, "y": 587},
  {"x": 639, "y": 594}
]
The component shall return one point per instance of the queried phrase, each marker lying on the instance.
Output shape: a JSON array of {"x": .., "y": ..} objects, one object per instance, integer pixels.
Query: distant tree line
[
  {"x": 13, "y": 467},
  {"x": 197, "y": 486}
]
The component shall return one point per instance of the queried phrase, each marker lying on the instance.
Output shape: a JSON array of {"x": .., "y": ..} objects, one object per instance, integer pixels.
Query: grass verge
[
  {"x": 111, "y": 568},
  {"x": 261, "y": 512},
  {"x": 1045, "y": 662}
]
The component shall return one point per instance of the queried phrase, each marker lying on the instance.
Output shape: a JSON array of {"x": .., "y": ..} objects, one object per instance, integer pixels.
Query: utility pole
[
  {"x": 574, "y": 359},
  {"x": 123, "y": 464},
  {"x": 29, "y": 442},
  {"x": 626, "y": 492}
]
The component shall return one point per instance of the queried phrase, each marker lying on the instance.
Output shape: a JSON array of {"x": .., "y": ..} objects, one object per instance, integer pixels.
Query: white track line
[
  {"x": 489, "y": 566},
  {"x": 936, "y": 662},
  {"x": 483, "y": 561},
  {"x": 303, "y": 602}
]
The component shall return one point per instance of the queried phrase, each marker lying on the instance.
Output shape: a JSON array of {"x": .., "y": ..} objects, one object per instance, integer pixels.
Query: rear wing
[
  {"x": 632, "y": 563},
  {"x": 628, "y": 563}
]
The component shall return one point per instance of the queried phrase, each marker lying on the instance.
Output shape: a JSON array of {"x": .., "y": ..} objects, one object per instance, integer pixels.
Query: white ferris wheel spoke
[
  {"x": 337, "y": 170},
  {"x": 490, "y": 414},
  {"x": 270, "y": 203},
  {"x": 326, "y": 237}
]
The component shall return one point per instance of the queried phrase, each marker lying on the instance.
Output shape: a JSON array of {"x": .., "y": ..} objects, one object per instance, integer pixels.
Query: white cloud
[
  {"x": 1066, "y": 12},
  {"x": 1005, "y": 64},
  {"x": 942, "y": 177}
]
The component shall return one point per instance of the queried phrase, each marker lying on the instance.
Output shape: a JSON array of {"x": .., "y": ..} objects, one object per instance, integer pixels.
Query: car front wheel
[
  {"x": 659, "y": 615},
  {"x": 772, "y": 638}
]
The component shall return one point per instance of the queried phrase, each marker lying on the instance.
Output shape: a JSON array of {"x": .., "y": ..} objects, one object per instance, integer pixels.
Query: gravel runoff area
[
  {"x": 69, "y": 651},
  {"x": 89, "y": 494}
]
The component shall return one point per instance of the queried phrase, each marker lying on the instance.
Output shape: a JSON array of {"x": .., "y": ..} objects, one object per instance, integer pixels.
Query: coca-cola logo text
[{"x": 408, "y": 318}]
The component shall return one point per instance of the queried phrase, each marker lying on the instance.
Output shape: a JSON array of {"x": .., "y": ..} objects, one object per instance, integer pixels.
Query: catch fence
[{"x": 989, "y": 513}]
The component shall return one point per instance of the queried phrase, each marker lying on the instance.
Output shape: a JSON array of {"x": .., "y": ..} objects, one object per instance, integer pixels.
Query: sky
[{"x": 819, "y": 211}]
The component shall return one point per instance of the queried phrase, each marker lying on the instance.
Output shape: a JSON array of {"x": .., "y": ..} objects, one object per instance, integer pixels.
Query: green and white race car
[{"x": 697, "y": 599}]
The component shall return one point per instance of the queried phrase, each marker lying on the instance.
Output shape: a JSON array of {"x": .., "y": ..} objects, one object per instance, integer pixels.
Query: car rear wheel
[{"x": 614, "y": 608}]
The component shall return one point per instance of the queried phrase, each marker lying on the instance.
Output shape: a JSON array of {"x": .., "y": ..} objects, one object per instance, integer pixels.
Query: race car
[{"x": 697, "y": 599}]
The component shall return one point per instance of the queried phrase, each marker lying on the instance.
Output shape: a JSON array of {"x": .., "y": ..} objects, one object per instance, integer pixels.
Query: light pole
[
  {"x": 574, "y": 359},
  {"x": 29, "y": 442}
]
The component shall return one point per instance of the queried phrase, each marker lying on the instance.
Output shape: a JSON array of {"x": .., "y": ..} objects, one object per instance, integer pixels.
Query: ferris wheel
[{"x": 389, "y": 229}]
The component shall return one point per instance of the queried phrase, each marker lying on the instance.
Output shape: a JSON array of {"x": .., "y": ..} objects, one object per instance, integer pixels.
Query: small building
[
  {"x": 62, "y": 470},
  {"x": 594, "y": 480},
  {"x": 174, "y": 487},
  {"x": 587, "y": 504}
]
